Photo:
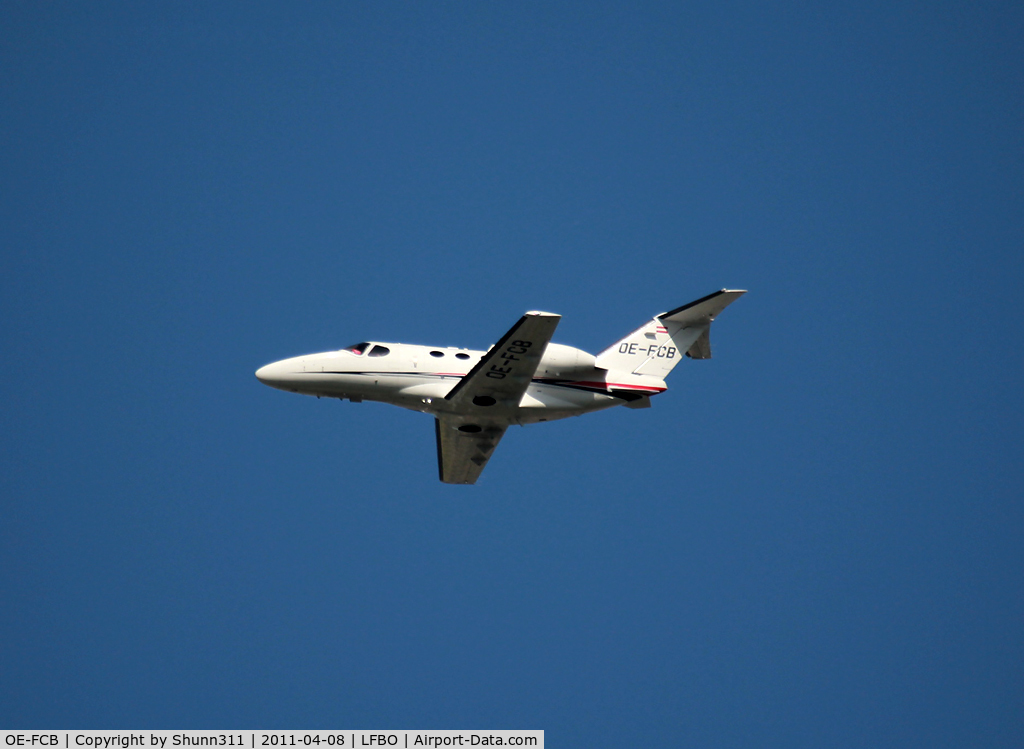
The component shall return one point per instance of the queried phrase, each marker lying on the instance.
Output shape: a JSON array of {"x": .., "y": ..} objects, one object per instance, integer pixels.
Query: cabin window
[
  {"x": 357, "y": 348},
  {"x": 437, "y": 354},
  {"x": 379, "y": 351},
  {"x": 462, "y": 356}
]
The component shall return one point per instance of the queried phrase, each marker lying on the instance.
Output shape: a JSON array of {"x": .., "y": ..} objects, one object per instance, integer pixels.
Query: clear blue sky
[{"x": 813, "y": 539}]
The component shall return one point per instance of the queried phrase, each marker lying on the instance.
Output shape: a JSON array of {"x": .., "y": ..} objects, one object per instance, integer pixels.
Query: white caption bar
[{"x": 265, "y": 739}]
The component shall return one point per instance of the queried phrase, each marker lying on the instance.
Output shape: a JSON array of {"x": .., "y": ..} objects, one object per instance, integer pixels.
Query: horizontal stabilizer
[{"x": 703, "y": 310}]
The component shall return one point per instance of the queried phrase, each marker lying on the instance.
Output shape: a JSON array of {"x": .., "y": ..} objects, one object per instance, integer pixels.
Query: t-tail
[{"x": 654, "y": 349}]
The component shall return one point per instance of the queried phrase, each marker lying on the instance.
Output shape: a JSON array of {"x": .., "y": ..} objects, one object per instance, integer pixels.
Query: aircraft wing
[
  {"x": 506, "y": 370},
  {"x": 483, "y": 398},
  {"x": 462, "y": 455}
]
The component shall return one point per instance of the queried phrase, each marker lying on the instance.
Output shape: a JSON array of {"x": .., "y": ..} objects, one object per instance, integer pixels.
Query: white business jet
[{"x": 475, "y": 396}]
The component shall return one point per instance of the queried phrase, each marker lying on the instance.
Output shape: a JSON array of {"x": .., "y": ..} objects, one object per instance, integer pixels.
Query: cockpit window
[
  {"x": 357, "y": 348},
  {"x": 379, "y": 351}
]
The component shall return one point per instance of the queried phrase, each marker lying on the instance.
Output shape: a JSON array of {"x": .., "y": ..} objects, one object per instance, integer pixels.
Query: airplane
[{"x": 474, "y": 396}]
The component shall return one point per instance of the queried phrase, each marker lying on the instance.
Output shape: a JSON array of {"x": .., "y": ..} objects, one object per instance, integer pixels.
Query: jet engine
[{"x": 565, "y": 361}]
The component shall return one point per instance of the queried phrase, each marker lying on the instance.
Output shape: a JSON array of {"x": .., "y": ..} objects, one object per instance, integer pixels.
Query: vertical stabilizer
[{"x": 656, "y": 348}]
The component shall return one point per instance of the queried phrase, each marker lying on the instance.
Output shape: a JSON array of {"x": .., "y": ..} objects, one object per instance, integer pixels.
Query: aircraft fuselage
[
  {"x": 418, "y": 378},
  {"x": 524, "y": 378}
]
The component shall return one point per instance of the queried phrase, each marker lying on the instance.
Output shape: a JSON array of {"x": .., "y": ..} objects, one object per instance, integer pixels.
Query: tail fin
[{"x": 655, "y": 348}]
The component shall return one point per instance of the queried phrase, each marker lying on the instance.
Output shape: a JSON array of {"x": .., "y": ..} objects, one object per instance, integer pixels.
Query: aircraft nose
[{"x": 271, "y": 374}]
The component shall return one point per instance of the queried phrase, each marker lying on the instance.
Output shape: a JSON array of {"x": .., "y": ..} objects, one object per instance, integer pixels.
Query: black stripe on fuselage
[
  {"x": 385, "y": 374},
  {"x": 626, "y": 395}
]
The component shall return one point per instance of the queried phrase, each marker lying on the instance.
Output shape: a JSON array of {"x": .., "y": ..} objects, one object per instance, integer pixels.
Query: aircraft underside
[{"x": 542, "y": 401}]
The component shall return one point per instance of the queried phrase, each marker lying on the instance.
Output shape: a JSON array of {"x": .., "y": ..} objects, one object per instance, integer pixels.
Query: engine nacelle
[{"x": 565, "y": 361}]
